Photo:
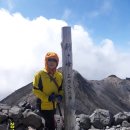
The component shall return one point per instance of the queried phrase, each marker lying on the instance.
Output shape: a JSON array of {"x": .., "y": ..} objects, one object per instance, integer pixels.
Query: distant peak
[{"x": 113, "y": 76}]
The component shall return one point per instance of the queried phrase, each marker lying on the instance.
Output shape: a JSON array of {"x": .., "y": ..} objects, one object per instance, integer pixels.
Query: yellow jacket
[{"x": 43, "y": 87}]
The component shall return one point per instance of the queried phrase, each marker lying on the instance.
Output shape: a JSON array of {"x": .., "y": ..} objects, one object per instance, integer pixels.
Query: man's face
[{"x": 52, "y": 63}]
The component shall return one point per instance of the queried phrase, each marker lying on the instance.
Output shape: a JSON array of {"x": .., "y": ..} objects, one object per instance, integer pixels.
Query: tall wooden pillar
[{"x": 67, "y": 65}]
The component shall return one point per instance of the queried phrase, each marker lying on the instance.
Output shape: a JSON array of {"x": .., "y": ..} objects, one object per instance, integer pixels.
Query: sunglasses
[{"x": 52, "y": 60}]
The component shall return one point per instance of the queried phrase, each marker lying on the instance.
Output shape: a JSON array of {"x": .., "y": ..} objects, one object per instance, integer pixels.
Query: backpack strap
[{"x": 54, "y": 80}]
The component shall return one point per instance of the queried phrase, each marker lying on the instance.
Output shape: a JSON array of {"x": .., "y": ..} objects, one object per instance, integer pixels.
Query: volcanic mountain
[{"x": 111, "y": 93}]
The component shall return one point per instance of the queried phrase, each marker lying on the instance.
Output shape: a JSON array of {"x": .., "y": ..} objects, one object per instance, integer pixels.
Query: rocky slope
[
  {"x": 111, "y": 93},
  {"x": 25, "y": 117}
]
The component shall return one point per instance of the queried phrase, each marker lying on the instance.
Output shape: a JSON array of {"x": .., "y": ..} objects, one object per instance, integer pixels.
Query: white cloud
[{"x": 24, "y": 43}]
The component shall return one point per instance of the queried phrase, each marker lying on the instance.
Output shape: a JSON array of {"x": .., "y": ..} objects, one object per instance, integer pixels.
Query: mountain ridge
[{"x": 111, "y": 93}]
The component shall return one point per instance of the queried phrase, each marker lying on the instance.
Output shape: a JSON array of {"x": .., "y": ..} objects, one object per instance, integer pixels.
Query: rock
[
  {"x": 128, "y": 116},
  {"x": 125, "y": 124},
  {"x": 15, "y": 113},
  {"x": 21, "y": 127},
  {"x": 3, "y": 127},
  {"x": 84, "y": 121},
  {"x": 119, "y": 118},
  {"x": 30, "y": 128},
  {"x": 77, "y": 127},
  {"x": 124, "y": 128},
  {"x": 22, "y": 104},
  {"x": 4, "y": 106},
  {"x": 59, "y": 122},
  {"x": 111, "y": 129},
  {"x": 101, "y": 118},
  {"x": 32, "y": 119},
  {"x": 3, "y": 117}
]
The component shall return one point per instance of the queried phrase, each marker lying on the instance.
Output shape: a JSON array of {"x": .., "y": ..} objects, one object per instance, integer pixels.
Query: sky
[{"x": 100, "y": 32}]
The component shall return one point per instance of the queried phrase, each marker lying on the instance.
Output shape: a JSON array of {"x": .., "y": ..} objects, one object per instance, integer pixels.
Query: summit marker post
[{"x": 67, "y": 64}]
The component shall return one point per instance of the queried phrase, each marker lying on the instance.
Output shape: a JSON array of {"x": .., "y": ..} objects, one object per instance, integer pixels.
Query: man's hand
[
  {"x": 59, "y": 98},
  {"x": 51, "y": 98}
]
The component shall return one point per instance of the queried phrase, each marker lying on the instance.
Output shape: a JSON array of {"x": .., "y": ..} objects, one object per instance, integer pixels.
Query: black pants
[{"x": 48, "y": 115}]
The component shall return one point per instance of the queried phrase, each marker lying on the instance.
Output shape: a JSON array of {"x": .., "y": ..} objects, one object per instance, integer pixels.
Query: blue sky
[
  {"x": 31, "y": 28},
  {"x": 102, "y": 18}
]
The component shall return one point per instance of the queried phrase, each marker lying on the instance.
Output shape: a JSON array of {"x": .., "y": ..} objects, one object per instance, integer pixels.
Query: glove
[
  {"x": 59, "y": 98},
  {"x": 51, "y": 98}
]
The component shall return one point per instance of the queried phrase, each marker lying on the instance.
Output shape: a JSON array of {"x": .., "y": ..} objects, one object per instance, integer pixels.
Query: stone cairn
[{"x": 25, "y": 117}]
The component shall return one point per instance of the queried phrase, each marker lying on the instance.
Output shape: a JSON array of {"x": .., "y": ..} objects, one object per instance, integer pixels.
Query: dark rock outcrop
[
  {"x": 103, "y": 120},
  {"x": 19, "y": 118}
]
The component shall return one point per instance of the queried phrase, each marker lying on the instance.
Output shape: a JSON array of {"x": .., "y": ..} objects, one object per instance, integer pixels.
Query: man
[{"x": 46, "y": 90}]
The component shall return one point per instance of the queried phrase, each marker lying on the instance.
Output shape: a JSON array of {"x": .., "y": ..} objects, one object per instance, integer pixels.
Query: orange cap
[{"x": 51, "y": 55}]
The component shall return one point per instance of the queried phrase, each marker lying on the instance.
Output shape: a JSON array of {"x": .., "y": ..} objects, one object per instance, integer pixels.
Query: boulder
[
  {"x": 84, "y": 121},
  {"x": 3, "y": 127},
  {"x": 3, "y": 117},
  {"x": 101, "y": 118},
  {"x": 125, "y": 124},
  {"x": 32, "y": 119},
  {"x": 119, "y": 118}
]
